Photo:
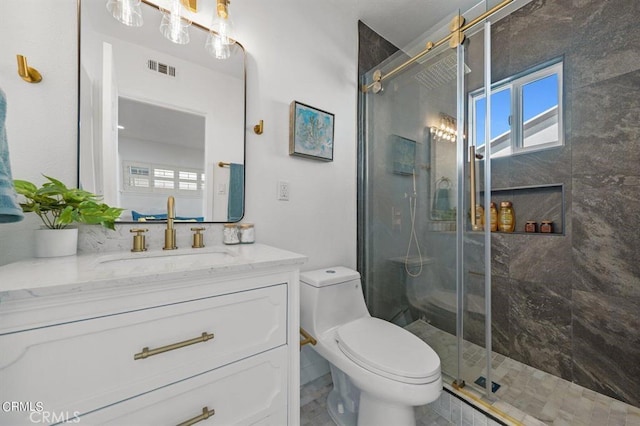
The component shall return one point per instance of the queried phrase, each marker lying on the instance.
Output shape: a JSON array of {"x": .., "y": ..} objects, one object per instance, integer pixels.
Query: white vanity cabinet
[{"x": 213, "y": 343}]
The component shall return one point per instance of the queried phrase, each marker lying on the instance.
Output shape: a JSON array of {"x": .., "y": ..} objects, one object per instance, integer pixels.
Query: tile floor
[
  {"x": 526, "y": 397},
  {"x": 447, "y": 410}
]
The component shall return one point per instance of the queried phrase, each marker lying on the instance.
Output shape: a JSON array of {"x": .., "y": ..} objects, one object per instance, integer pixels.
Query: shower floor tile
[{"x": 528, "y": 395}]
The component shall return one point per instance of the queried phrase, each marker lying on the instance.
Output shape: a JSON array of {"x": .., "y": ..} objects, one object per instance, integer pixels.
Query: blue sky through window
[
  {"x": 500, "y": 112},
  {"x": 538, "y": 96}
]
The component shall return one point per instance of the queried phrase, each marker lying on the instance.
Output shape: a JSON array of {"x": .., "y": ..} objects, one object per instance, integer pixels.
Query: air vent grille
[{"x": 160, "y": 68}]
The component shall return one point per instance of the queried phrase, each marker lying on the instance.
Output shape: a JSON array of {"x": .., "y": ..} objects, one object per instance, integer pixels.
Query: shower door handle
[{"x": 472, "y": 188}]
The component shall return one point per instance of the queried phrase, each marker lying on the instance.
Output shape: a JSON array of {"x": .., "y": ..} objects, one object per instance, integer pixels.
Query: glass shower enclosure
[{"x": 424, "y": 249}]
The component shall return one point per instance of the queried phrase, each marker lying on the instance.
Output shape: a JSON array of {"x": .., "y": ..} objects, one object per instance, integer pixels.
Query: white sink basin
[{"x": 206, "y": 256}]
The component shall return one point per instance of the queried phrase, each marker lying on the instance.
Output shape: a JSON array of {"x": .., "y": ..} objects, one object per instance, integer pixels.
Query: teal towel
[
  {"x": 235, "y": 209},
  {"x": 10, "y": 210}
]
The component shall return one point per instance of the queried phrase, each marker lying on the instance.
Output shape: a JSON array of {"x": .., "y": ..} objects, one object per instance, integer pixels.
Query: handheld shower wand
[{"x": 413, "y": 203}]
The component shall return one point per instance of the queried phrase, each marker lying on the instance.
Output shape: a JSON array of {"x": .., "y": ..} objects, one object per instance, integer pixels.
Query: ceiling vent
[{"x": 160, "y": 68}]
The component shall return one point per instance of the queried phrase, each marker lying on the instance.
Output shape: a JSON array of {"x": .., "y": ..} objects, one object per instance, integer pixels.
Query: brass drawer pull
[
  {"x": 206, "y": 413},
  {"x": 146, "y": 352}
]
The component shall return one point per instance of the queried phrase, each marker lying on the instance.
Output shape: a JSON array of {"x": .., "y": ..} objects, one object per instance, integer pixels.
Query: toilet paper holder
[{"x": 307, "y": 338}]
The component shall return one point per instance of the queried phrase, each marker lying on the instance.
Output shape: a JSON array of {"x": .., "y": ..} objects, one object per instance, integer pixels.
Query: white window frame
[
  {"x": 151, "y": 189},
  {"x": 516, "y": 84}
]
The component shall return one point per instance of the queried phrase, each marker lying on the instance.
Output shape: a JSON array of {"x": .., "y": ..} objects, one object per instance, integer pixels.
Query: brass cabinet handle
[
  {"x": 146, "y": 352},
  {"x": 206, "y": 413}
]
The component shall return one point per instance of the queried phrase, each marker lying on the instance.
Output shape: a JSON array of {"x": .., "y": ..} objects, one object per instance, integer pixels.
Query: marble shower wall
[{"x": 572, "y": 302}]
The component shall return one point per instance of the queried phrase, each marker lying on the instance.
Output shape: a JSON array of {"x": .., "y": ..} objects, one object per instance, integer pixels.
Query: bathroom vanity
[{"x": 152, "y": 337}]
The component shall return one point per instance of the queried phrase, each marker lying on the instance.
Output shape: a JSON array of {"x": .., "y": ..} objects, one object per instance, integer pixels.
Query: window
[
  {"x": 526, "y": 113},
  {"x": 150, "y": 178}
]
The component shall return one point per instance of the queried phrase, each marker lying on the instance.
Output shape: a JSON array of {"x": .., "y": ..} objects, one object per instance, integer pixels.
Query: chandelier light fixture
[
  {"x": 126, "y": 11},
  {"x": 446, "y": 131},
  {"x": 173, "y": 26},
  {"x": 220, "y": 37}
]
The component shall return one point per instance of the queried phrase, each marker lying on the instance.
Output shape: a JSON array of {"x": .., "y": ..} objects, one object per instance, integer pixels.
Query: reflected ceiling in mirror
[{"x": 157, "y": 119}]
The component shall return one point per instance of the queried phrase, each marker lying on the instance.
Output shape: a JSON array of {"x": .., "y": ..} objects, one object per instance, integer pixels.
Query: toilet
[{"x": 380, "y": 371}]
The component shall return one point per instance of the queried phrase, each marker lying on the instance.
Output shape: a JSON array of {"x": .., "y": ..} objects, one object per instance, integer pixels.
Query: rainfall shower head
[{"x": 440, "y": 73}]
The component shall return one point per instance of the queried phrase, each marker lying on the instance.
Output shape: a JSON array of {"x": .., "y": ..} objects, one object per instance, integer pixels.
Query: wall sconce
[
  {"x": 174, "y": 27},
  {"x": 446, "y": 132},
  {"x": 220, "y": 37},
  {"x": 126, "y": 11}
]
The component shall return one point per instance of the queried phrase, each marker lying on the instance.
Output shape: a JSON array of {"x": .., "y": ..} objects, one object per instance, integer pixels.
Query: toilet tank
[{"x": 330, "y": 297}]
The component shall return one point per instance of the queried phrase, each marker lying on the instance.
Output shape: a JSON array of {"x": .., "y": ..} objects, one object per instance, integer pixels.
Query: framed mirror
[
  {"x": 158, "y": 119},
  {"x": 443, "y": 189}
]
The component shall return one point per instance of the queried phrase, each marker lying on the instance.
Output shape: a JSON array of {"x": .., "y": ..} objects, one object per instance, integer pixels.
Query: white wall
[
  {"x": 41, "y": 118},
  {"x": 300, "y": 50},
  {"x": 297, "y": 50},
  {"x": 305, "y": 51}
]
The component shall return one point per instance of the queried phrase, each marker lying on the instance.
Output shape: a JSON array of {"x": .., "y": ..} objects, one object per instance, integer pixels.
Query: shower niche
[{"x": 533, "y": 203}]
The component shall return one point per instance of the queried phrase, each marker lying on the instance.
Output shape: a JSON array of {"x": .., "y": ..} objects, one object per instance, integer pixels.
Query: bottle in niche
[
  {"x": 531, "y": 226},
  {"x": 506, "y": 217},
  {"x": 494, "y": 216},
  {"x": 546, "y": 226},
  {"x": 479, "y": 226}
]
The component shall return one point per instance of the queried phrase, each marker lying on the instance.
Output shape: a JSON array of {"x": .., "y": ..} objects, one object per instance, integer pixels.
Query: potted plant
[{"x": 58, "y": 207}]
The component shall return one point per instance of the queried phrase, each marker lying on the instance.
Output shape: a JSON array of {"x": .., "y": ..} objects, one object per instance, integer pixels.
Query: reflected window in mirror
[{"x": 526, "y": 113}]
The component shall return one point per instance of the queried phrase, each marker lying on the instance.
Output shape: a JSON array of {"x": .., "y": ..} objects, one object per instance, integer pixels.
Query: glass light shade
[
  {"x": 224, "y": 28},
  {"x": 216, "y": 47},
  {"x": 128, "y": 12},
  {"x": 173, "y": 26}
]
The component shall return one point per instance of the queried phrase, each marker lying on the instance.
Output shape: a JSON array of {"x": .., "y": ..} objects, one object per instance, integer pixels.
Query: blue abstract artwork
[
  {"x": 311, "y": 132},
  {"x": 404, "y": 155}
]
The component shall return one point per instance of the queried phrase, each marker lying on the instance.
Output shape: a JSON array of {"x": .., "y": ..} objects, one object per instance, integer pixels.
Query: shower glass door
[{"x": 422, "y": 262}]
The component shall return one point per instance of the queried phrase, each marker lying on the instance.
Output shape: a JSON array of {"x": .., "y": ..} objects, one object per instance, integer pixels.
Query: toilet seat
[{"x": 388, "y": 350}]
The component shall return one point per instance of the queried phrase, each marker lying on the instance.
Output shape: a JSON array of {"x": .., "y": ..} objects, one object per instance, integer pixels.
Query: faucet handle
[
  {"x": 198, "y": 238},
  {"x": 139, "y": 243}
]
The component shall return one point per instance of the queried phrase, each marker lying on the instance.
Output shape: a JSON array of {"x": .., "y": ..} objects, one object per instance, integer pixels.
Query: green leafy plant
[{"x": 59, "y": 206}]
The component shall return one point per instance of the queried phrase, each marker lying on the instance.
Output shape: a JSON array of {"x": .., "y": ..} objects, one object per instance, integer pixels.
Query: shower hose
[{"x": 413, "y": 203}]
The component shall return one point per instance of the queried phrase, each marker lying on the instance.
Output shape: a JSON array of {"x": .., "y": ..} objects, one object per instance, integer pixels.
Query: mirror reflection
[{"x": 160, "y": 119}]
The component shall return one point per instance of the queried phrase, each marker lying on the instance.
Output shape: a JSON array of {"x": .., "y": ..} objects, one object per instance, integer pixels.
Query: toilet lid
[{"x": 389, "y": 351}]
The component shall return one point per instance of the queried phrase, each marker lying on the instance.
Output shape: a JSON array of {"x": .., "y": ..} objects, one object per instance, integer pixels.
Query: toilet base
[
  {"x": 376, "y": 412},
  {"x": 340, "y": 415}
]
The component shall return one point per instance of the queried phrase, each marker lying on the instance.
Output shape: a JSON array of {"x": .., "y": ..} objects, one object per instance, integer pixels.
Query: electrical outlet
[{"x": 283, "y": 190}]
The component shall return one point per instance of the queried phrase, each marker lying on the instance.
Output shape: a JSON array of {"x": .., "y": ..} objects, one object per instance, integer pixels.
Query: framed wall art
[
  {"x": 403, "y": 151},
  {"x": 310, "y": 132}
]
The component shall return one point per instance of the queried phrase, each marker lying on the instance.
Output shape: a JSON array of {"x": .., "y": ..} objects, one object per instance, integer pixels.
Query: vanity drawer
[
  {"x": 248, "y": 392},
  {"x": 85, "y": 365}
]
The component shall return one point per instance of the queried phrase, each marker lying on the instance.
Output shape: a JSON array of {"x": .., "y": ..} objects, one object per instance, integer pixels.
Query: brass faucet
[{"x": 170, "y": 232}]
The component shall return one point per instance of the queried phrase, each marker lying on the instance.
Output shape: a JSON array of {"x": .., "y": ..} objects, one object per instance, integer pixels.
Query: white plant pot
[{"x": 56, "y": 242}]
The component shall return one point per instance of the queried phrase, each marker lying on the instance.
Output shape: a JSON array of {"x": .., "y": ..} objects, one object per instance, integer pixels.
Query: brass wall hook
[
  {"x": 259, "y": 128},
  {"x": 28, "y": 74}
]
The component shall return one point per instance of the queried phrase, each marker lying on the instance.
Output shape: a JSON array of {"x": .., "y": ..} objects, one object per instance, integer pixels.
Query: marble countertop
[{"x": 47, "y": 276}]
